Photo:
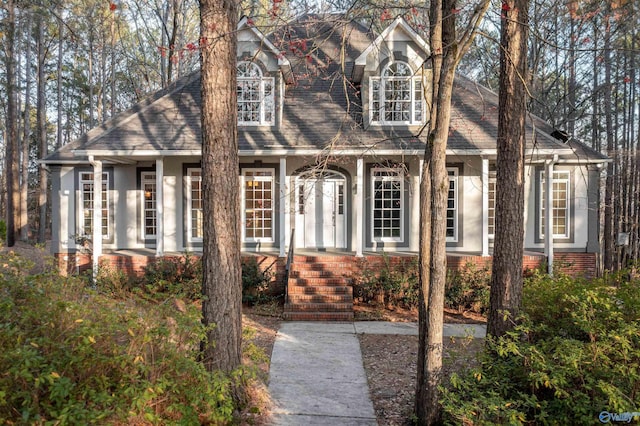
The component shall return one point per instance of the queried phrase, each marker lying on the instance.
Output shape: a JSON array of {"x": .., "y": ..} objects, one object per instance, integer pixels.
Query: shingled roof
[{"x": 322, "y": 111}]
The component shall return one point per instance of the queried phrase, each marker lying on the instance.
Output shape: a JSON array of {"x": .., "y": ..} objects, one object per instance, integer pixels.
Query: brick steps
[{"x": 319, "y": 290}]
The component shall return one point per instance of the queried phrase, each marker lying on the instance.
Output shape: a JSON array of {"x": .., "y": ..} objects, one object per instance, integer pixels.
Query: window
[
  {"x": 194, "y": 204},
  {"x": 396, "y": 96},
  {"x": 258, "y": 204},
  {"x": 149, "y": 197},
  {"x": 86, "y": 204},
  {"x": 491, "y": 213},
  {"x": 255, "y": 96},
  {"x": 452, "y": 205},
  {"x": 388, "y": 197},
  {"x": 560, "y": 204}
]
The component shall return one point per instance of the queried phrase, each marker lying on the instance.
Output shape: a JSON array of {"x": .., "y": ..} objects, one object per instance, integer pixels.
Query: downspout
[
  {"x": 97, "y": 216},
  {"x": 548, "y": 217}
]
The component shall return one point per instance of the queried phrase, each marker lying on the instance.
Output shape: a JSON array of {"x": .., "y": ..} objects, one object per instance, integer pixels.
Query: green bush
[
  {"x": 173, "y": 276},
  {"x": 574, "y": 353},
  {"x": 255, "y": 282},
  {"x": 3, "y": 231},
  {"x": 391, "y": 284},
  {"x": 398, "y": 284},
  {"x": 71, "y": 355},
  {"x": 468, "y": 289}
]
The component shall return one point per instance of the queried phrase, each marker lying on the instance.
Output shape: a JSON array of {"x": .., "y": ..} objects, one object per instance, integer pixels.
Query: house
[{"x": 330, "y": 121}]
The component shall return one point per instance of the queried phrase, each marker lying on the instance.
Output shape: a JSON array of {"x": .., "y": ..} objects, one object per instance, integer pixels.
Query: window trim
[
  {"x": 189, "y": 178},
  {"x": 399, "y": 176},
  {"x": 243, "y": 180},
  {"x": 146, "y": 179},
  {"x": 541, "y": 195},
  {"x": 381, "y": 81},
  {"x": 106, "y": 212},
  {"x": 264, "y": 100}
]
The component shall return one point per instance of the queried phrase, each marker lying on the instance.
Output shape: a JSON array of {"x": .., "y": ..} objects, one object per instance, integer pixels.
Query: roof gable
[
  {"x": 247, "y": 32},
  {"x": 398, "y": 32}
]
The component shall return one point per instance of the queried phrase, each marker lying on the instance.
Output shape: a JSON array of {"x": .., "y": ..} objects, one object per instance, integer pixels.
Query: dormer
[
  {"x": 262, "y": 73},
  {"x": 393, "y": 77}
]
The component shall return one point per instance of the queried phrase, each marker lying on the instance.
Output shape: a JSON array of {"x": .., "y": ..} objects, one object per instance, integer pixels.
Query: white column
[
  {"x": 485, "y": 207},
  {"x": 359, "y": 207},
  {"x": 97, "y": 216},
  {"x": 414, "y": 215},
  {"x": 284, "y": 207},
  {"x": 159, "y": 207},
  {"x": 548, "y": 214}
]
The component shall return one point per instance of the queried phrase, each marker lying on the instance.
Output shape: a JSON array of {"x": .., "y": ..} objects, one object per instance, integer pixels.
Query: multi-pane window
[
  {"x": 396, "y": 96},
  {"x": 149, "y": 197},
  {"x": 452, "y": 205},
  {"x": 255, "y": 95},
  {"x": 194, "y": 202},
  {"x": 560, "y": 204},
  {"x": 388, "y": 193},
  {"x": 491, "y": 211},
  {"x": 258, "y": 204},
  {"x": 86, "y": 203}
]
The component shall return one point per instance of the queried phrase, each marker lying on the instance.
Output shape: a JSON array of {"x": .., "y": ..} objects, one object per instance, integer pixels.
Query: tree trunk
[
  {"x": 609, "y": 237},
  {"x": 446, "y": 53},
  {"x": 506, "y": 278},
  {"x": 59, "y": 78},
  {"x": 42, "y": 136},
  {"x": 12, "y": 157},
  {"x": 222, "y": 281},
  {"x": 24, "y": 185}
]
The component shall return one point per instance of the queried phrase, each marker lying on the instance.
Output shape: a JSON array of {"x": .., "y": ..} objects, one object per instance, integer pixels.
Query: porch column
[
  {"x": 548, "y": 213},
  {"x": 358, "y": 207},
  {"x": 97, "y": 216},
  {"x": 160, "y": 207},
  {"x": 485, "y": 207},
  {"x": 414, "y": 234},
  {"x": 284, "y": 208}
]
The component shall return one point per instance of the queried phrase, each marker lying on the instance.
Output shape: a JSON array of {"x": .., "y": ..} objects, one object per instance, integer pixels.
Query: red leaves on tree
[
  {"x": 455, "y": 11},
  {"x": 626, "y": 79},
  {"x": 191, "y": 47},
  {"x": 112, "y": 7},
  {"x": 385, "y": 15},
  {"x": 505, "y": 6},
  {"x": 250, "y": 22},
  {"x": 414, "y": 11}
]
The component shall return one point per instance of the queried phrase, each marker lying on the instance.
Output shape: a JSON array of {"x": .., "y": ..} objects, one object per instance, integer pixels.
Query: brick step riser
[
  {"x": 336, "y": 268},
  {"x": 323, "y": 282},
  {"x": 320, "y": 298},
  {"x": 318, "y": 316},
  {"x": 310, "y": 273},
  {"x": 318, "y": 307},
  {"x": 335, "y": 290}
]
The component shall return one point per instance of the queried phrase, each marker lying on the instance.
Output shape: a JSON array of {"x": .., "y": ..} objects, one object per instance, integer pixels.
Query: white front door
[{"x": 320, "y": 212}]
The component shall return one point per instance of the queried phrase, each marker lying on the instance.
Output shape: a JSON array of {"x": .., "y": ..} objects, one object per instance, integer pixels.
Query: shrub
[
  {"x": 173, "y": 276},
  {"x": 255, "y": 282},
  {"x": 392, "y": 284},
  {"x": 71, "y": 355},
  {"x": 3, "y": 230},
  {"x": 468, "y": 289},
  {"x": 574, "y": 353}
]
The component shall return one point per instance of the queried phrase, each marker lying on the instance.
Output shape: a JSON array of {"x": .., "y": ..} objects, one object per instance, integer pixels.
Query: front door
[{"x": 320, "y": 212}]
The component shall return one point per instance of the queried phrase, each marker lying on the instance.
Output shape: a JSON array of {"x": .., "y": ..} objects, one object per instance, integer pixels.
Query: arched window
[
  {"x": 396, "y": 96},
  {"x": 255, "y": 96}
]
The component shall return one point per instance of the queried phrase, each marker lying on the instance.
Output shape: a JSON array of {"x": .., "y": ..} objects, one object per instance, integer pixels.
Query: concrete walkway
[{"x": 317, "y": 377}]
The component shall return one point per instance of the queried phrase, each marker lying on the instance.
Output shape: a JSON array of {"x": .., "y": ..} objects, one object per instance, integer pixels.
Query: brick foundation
[{"x": 572, "y": 263}]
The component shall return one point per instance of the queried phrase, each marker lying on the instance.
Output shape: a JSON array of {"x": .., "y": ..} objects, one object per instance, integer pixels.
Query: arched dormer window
[
  {"x": 396, "y": 96},
  {"x": 255, "y": 96}
]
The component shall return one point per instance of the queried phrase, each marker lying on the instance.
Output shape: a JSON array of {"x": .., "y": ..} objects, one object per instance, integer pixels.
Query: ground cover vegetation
[
  {"x": 397, "y": 286},
  {"x": 574, "y": 353},
  {"x": 118, "y": 352}
]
